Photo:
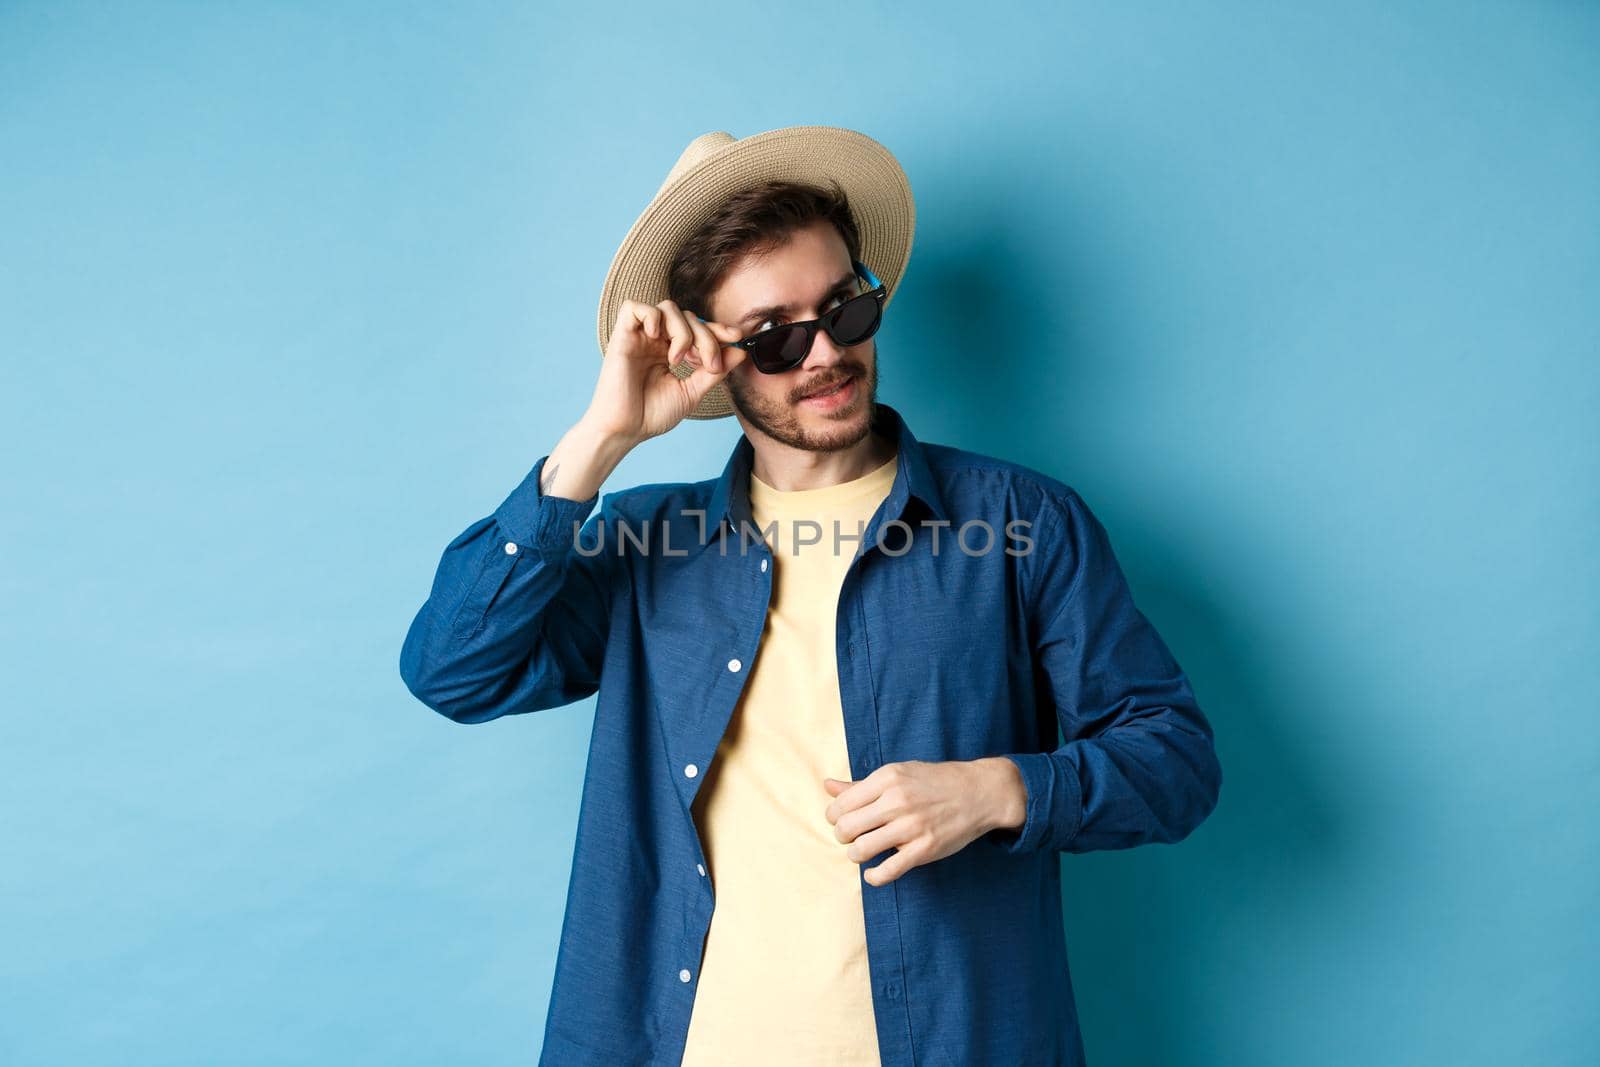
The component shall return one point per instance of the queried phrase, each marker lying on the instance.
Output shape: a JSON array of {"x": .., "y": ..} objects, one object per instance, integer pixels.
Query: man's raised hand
[{"x": 637, "y": 396}]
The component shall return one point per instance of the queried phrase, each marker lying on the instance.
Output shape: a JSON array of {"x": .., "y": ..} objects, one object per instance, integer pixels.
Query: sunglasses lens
[
  {"x": 783, "y": 347},
  {"x": 779, "y": 348},
  {"x": 857, "y": 319}
]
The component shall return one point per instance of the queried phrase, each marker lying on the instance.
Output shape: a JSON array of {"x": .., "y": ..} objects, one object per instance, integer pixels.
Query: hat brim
[{"x": 877, "y": 187}]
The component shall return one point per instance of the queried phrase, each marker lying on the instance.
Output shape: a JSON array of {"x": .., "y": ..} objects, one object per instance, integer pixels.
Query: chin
[{"x": 835, "y": 430}]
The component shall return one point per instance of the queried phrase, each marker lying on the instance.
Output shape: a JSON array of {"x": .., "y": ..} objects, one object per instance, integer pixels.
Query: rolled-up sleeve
[{"x": 1137, "y": 763}]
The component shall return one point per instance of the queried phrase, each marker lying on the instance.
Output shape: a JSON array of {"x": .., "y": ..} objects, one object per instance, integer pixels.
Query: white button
[
  {"x": 734, "y": 665},
  {"x": 690, "y": 771},
  {"x": 701, "y": 868},
  {"x": 683, "y": 976},
  {"x": 763, "y": 565},
  {"x": 511, "y": 548}
]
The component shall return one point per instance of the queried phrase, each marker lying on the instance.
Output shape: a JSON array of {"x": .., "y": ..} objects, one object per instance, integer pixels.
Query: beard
[{"x": 785, "y": 422}]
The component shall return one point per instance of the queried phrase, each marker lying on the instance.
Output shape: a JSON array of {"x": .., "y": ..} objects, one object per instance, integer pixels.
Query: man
[{"x": 826, "y": 795}]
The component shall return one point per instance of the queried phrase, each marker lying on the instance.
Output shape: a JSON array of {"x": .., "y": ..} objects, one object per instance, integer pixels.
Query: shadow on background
[{"x": 1150, "y": 929}]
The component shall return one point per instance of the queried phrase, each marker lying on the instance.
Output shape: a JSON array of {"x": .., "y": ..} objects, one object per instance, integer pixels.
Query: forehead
[{"x": 799, "y": 271}]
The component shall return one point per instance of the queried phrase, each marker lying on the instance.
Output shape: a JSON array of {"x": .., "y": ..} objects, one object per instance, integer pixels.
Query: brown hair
[{"x": 754, "y": 220}]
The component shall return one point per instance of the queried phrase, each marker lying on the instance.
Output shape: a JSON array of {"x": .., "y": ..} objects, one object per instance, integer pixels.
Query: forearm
[
  {"x": 581, "y": 461},
  {"x": 516, "y": 616}
]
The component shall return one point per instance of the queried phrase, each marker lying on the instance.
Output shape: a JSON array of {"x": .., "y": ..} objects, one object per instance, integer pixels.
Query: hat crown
[{"x": 702, "y": 147}]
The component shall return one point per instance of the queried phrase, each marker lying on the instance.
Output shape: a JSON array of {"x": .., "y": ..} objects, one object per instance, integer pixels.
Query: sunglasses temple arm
[{"x": 866, "y": 272}]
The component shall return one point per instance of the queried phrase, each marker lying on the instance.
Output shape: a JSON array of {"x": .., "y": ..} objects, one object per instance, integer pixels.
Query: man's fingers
[
  {"x": 706, "y": 344},
  {"x": 890, "y": 869},
  {"x": 854, "y": 796},
  {"x": 645, "y": 318},
  {"x": 677, "y": 328},
  {"x": 857, "y": 823},
  {"x": 701, "y": 381},
  {"x": 724, "y": 333}
]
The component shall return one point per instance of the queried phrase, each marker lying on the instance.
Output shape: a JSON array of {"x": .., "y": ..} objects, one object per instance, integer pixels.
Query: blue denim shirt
[{"x": 1032, "y": 649}]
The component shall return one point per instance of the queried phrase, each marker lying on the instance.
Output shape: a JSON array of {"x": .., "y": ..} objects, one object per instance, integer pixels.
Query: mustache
[{"x": 843, "y": 372}]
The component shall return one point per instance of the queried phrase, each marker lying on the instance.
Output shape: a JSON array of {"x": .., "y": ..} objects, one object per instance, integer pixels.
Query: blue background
[{"x": 1301, "y": 298}]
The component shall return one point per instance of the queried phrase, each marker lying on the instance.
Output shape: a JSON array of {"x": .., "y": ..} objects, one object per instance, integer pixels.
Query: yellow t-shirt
[{"x": 784, "y": 978}]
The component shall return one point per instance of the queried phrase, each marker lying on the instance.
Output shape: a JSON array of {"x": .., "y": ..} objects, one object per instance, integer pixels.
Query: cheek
[
  {"x": 749, "y": 384},
  {"x": 768, "y": 388}
]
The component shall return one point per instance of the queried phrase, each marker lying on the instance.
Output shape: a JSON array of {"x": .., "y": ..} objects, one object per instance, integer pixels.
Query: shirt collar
[{"x": 913, "y": 479}]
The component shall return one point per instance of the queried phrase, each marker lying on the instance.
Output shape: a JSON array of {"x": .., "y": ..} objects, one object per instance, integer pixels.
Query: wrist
[
  {"x": 581, "y": 461},
  {"x": 1008, "y": 803},
  {"x": 602, "y": 441}
]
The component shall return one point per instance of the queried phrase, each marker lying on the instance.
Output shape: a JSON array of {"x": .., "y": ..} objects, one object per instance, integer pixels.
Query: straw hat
[{"x": 714, "y": 167}]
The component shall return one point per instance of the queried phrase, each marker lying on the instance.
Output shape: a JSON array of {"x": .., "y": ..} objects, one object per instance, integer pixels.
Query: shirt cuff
[
  {"x": 1055, "y": 803},
  {"x": 541, "y": 522}
]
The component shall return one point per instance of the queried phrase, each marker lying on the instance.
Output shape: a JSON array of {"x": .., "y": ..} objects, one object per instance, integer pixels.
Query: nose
[{"x": 823, "y": 355}]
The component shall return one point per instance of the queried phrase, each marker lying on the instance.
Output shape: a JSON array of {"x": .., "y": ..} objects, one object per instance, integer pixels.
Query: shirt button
[
  {"x": 734, "y": 665},
  {"x": 683, "y": 976},
  {"x": 690, "y": 771},
  {"x": 763, "y": 565},
  {"x": 511, "y": 548},
  {"x": 701, "y": 868}
]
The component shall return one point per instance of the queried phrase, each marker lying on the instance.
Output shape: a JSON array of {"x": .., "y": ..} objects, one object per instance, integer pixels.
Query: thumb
[{"x": 704, "y": 377}]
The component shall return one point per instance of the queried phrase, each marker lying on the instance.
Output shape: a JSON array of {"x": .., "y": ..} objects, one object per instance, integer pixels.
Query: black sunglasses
[{"x": 852, "y": 322}]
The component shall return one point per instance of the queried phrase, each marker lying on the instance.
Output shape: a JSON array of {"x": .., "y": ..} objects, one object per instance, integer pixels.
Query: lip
[{"x": 836, "y": 399}]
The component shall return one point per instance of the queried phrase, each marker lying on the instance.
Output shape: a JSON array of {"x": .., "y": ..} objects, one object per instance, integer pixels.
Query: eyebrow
[{"x": 764, "y": 313}]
